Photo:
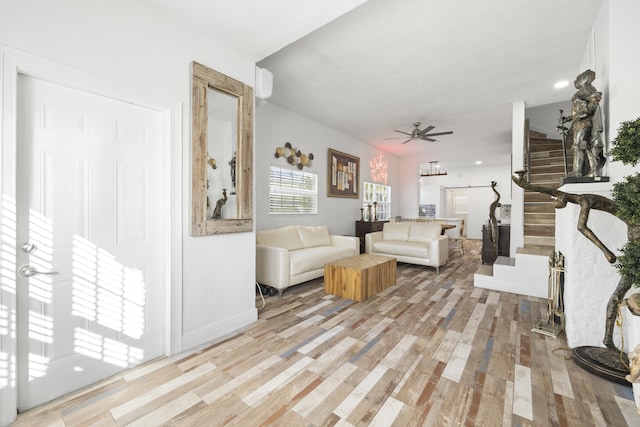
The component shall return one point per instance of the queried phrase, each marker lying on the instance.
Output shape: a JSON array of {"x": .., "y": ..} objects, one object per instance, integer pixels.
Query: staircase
[
  {"x": 546, "y": 168},
  {"x": 528, "y": 271}
]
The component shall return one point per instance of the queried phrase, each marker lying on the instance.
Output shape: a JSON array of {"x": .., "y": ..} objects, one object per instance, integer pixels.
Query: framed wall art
[{"x": 342, "y": 175}]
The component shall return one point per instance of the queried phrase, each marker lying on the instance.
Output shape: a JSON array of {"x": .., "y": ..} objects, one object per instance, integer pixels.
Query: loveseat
[
  {"x": 410, "y": 242},
  {"x": 291, "y": 255}
]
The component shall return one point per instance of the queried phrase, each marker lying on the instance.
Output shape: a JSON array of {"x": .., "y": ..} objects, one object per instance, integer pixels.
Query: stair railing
[{"x": 563, "y": 131}]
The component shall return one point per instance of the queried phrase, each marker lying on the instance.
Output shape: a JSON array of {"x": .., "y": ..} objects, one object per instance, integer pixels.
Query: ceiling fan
[{"x": 420, "y": 134}]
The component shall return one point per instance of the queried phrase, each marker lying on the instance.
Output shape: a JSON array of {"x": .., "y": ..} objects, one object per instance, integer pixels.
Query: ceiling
[{"x": 366, "y": 68}]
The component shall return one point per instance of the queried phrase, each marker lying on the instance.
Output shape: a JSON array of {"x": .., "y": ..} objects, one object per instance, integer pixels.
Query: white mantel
[{"x": 589, "y": 279}]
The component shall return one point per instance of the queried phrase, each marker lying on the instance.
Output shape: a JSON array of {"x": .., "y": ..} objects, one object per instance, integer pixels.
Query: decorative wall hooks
[{"x": 294, "y": 156}]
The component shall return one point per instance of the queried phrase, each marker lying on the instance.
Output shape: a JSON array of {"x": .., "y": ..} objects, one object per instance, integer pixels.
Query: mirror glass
[{"x": 222, "y": 146}]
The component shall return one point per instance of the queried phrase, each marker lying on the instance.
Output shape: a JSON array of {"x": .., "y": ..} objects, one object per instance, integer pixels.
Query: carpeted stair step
[
  {"x": 546, "y": 169},
  {"x": 539, "y": 218},
  {"x": 539, "y": 208},
  {"x": 542, "y": 230},
  {"x": 539, "y": 241},
  {"x": 542, "y": 250},
  {"x": 531, "y": 197}
]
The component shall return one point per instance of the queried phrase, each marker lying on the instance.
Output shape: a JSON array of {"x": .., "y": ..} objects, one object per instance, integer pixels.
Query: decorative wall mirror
[{"x": 222, "y": 147}]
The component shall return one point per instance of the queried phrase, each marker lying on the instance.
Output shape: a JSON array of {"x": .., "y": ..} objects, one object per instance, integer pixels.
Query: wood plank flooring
[{"x": 431, "y": 350}]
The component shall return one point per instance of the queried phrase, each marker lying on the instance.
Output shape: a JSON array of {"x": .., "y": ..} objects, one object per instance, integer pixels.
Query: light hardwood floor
[{"x": 431, "y": 350}]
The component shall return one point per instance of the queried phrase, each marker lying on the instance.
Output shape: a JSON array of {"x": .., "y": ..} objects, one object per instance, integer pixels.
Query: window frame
[
  {"x": 374, "y": 195},
  {"x": 302, "y": 201}
]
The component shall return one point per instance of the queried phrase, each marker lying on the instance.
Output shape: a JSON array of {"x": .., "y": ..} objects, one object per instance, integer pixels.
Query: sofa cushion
[
  {"x": 395, "y": 231},
  {"x": 401, "y": 248},
  {"x": 423, "y": 233},
  {"x": 309, "y": 259},
  {"x": 283, "y": 237},
  {"x": 312, "y": 236}
]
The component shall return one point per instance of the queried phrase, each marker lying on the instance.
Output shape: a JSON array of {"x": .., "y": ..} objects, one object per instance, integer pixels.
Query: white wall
[
  {"x": 274, "y": 127},
  {"x": 432, "y": 194},
  {"x": 133, "y": 44},
  {"x": 477, "y": 182},
  {"x": 544, "y": 118},
  {"x": 517, "y": 163}
]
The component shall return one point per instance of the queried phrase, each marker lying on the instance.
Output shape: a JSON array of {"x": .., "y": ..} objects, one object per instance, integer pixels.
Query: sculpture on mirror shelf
[
  {"x": 212, "y": 162},
  {"x": 232, "y": 164},
  {"x": 493, "y": 222},
  {"x": 586, "y": 128},
  {"x": 217, "y": 212}
]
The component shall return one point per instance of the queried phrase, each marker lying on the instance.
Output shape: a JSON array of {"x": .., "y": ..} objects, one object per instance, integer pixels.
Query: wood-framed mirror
[{"x": 222, "y": 153}]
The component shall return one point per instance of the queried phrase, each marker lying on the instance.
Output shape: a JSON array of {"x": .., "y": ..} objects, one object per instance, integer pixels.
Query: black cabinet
[
  {"x": 364, "y": 227},
  {"x": 504, "y": 241}
]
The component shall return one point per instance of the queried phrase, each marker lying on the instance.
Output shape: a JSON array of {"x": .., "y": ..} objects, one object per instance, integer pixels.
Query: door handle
[
  {"x": 28, "y": 247},
  {"x": 28, "y": 271}
]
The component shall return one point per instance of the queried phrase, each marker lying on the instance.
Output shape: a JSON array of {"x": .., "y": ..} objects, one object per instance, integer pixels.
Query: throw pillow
[
  {"x": 424, "y": 233},
  {"x": 395, "y": 231},
  {"x": 284, "y": 237},
  {"x": 312, "y": 236}
]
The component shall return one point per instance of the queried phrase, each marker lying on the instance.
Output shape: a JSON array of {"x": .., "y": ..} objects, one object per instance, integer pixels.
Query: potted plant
[
  {"x": 626, "y": 194},
  {"x": 626, "y": 148}
]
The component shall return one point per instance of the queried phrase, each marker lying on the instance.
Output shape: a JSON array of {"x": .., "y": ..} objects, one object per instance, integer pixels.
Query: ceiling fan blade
[
  {"x": 401, "y": 131},
  {"x": 407, "y": 140},
  {"x": 426, "y": 130},
  {"x": 439, "y": 133},
  {"x": 398, "y": 137},
  {"x": 426, "y": 138}
]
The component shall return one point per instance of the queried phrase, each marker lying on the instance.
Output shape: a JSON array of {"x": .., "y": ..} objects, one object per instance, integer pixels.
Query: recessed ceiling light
[
  {"x": 561, "y": 84},
  {"x": 478, "y": 162}
]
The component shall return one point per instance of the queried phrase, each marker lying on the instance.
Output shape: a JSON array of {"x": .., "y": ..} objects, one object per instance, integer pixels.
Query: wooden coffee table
[{"x": 359, "y": 277}]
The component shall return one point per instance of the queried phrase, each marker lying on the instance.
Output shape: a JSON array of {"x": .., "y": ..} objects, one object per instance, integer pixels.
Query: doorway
[{"x": 90, "y": 224}]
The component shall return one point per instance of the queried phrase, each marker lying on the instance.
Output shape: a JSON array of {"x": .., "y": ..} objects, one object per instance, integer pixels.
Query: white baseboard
[{"x": 214, "y": 331}]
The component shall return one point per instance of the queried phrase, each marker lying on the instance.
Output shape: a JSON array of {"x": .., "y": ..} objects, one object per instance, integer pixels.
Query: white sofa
[
  {"x": 291, "y": 255},
  {"x": 410, "y": 242}
]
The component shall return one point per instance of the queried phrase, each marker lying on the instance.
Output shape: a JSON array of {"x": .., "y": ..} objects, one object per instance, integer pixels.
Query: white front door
[{"x": 90, "y": 234}]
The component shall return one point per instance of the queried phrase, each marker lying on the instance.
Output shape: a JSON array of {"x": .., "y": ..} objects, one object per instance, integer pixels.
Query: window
[
  {"x": 292, "y": 192},
  {"x": 377, "y": 193}
]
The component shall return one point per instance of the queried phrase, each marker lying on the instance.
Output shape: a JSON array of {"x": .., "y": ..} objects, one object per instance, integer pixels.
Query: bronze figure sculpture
[
  {"x": 217, "y": 212},
  {"x": 493, "y": 222},
  {"x": 586, "y": 127}
]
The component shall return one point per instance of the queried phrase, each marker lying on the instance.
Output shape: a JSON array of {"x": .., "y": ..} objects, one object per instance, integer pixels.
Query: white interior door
[{"x": 89, "y": 209}]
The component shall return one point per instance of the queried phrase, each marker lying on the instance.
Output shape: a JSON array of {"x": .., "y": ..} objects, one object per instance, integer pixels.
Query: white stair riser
[{"x": 529, "y": 276}]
